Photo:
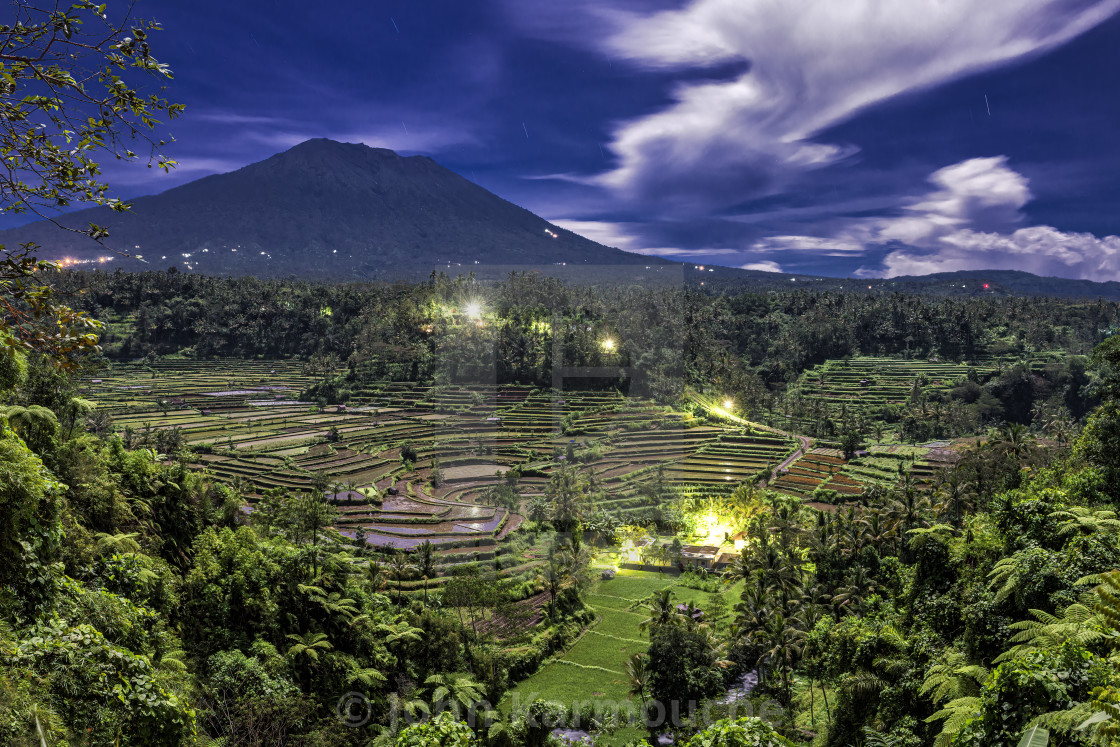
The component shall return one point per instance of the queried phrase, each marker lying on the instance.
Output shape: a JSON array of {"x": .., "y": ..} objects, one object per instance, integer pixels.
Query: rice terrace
[
  {"x": 708, "y": 373},
  {"x": 375, "y": 456},
  {"x": 406, "y": 464}
]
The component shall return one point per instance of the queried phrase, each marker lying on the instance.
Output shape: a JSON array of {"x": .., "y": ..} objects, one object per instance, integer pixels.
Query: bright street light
[
  {"x": 728, "y": 404},
  {"x": 608, "y": 344},
  {"x": 473, "y": 309}
]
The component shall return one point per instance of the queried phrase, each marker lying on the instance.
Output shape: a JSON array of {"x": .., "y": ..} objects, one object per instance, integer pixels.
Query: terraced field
[
  {"x": 594, "y": 669},
  {"x": 868, "y": 385},
  {"x": 247, "y": 423}
]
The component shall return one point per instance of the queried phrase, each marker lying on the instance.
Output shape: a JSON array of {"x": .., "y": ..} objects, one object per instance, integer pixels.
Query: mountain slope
[{"x": 330, "y": 210}]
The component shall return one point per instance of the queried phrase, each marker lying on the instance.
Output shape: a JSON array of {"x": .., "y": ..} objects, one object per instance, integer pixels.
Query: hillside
[{"x": 327, "y": 210}]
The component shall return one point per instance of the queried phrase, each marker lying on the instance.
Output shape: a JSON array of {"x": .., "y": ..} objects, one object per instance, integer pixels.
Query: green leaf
[
  {"x": 1035, "y": 737},
  {"x": 1096, "y": 718}
]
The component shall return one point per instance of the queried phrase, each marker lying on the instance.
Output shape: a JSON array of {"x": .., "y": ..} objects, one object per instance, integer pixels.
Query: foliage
[
  {"x": 68, "y": 96},
  {"x": 441, "y": 731},
  {"x": 743, "y": 732}
]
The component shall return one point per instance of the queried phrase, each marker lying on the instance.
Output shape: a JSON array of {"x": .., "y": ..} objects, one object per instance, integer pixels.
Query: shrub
[
  {"x": 441, "y": 731},
  {"x": 743, "y": 732}
]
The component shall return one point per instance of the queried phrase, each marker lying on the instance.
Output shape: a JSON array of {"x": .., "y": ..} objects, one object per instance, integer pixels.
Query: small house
[
  {"x": 699, "y": 555},
  {"x": 725, "y": 561}
]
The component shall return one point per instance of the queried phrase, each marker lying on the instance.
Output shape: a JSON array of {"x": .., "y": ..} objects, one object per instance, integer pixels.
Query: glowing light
[
  {"x": 473, "y": 309},
  {"x": 608, "y": 345},
  {"x": 728, "y": 404},
  {"x": 986, "y": 286}
]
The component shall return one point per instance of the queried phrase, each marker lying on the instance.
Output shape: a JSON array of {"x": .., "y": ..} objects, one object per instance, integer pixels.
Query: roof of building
[
  {"x": 699, "y": 551},
  {"x": 726, "y": 558}
]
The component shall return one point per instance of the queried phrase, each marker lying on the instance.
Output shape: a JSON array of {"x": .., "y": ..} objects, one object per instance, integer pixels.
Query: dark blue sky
[{"x": 867, "y": 137}]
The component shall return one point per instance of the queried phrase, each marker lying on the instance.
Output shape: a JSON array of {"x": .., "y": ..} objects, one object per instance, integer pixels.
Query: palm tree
[
  {"x": 661, "y": 610},
  {"x": 426, "y": 564},
  {"x": 1016, "y": 441},
  {"x": 375, "y": 575},
  {"x": 402, "y": 569},
  {"x": 306, "y": 648},
  {"x": 951, "y": 491},
  {"x": 637, "y": 669},
  {"x": 912, "y": 506},
  {"x": 36, "y": 424},
  {"x": 783, "y": 643},
  {"x": 859, "y": 585}
]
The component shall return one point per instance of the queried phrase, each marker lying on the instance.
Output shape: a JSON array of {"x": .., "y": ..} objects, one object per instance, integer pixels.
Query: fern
[
  {"x": 1078, "y": 623},
  {"x": 1099, "y": 720},
  {"x": 1005, "y": 574},
  {"x": 956, "y": 714},
  {"x": 953, "y": 678}
]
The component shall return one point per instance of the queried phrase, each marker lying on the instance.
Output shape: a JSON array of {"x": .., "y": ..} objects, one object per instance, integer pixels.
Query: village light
[
  {"x": 473, "y": 309},
  {"x": 728, "y": 404},
  {"x": 608, "y": 345}
]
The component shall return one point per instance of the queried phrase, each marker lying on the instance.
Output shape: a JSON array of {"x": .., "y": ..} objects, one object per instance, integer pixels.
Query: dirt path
[{"x": 803, "y": 440}]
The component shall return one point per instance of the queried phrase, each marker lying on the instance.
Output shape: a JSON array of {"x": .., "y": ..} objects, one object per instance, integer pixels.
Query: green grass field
[{"x": 595, "y": 667}]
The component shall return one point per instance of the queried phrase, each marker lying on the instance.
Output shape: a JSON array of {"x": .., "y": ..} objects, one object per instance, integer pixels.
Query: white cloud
[
  {"x": 812, "y": 64},
  {"x": 762, "y": 267},
  {"x": 701, "y": 252},
  {"x": 1043, "y": 250},
  {"x": 236, "y": 118},
  {"x": 971, "y": 221},
  {"x": 603, "y": 232}
]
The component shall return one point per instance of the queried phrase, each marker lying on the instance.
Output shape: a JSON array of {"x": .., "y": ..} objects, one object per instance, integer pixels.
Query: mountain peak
[
  {"x": 326, "y": 146},
  {"x": 328, "y": 210}
]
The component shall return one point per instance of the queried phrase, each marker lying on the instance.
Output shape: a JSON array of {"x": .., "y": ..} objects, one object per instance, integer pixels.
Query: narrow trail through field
[{"x": 803, "y": 440}]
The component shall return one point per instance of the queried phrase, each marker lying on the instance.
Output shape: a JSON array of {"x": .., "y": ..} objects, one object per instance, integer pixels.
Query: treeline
[{"x": 673, "y": 337}]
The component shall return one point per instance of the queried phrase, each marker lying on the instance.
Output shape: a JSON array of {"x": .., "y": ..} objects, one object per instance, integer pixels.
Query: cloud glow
[{"x": 811, "y": 64}]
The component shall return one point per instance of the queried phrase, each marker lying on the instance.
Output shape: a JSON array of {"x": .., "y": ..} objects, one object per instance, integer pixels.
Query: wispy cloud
[
  {"x": 972, "y": 220},
  {"x": 809, "y": 65},
  {"x": 762, "y": 266},
  {"x": 239, "y": 118},
  {"x": 617, "y": 235}
]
